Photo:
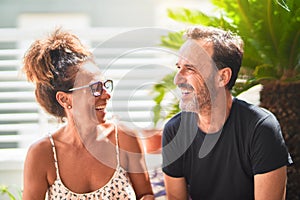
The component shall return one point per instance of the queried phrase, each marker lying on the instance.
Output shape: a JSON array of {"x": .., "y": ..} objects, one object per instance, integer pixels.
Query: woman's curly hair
[{"x": 52, "y": 64}]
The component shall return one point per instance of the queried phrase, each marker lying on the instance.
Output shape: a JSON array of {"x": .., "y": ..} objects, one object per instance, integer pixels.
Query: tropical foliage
[
  {"x": 6, "y": 191},
  {"x": 271, "y": 34}
]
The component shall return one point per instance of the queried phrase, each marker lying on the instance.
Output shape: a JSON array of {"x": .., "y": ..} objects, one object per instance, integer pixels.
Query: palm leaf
[
  {"x": 265, "y": 72},
  {"x": 160, "y": 90},
  {"x": 173, "y": 40}
]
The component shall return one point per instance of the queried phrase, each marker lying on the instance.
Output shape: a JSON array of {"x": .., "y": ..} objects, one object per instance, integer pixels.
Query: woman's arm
[
  {"x": 35, "y": 173},
  {"x": 142, "y": 186},
  {"x": 136, "y": 165}
]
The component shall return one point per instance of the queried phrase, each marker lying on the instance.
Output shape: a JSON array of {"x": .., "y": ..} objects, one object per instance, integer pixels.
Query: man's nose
[{"x": 179, "y": 78}]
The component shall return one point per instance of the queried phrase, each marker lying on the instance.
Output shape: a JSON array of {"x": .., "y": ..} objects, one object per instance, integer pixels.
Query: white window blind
[{"x": 131, "y": 57}]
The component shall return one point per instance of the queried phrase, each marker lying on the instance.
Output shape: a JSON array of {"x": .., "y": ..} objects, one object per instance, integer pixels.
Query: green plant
[
  {"x": 5, "y": 190},
  {"x": 270, "y": 31},
  {"x": 161, "y": 89}
]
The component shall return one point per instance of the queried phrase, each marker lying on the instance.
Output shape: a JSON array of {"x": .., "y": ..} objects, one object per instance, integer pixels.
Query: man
[{"x": 220, "y": 147}]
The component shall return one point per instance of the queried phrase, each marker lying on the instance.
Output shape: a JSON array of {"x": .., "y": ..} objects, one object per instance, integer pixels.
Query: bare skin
[
  {"x": 81, "y": 158},
  {"x": 77, "y": 178}
]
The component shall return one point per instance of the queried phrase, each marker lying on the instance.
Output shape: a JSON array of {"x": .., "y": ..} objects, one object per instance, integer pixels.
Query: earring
[{"x": 69, "y": 107}]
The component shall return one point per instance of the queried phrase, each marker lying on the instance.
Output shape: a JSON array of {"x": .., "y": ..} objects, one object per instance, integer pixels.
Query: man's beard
[
  {"x": 190, "y": 105},
  {"x": 199, "y": 102}
]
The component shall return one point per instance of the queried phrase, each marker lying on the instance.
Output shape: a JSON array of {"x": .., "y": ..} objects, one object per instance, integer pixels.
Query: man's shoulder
[
  {"x": 250, "y": 117},
  {"x": 253, "y": 111},
  {"x": 186, "y": 121},
  {"x": 174, "y": 120}
]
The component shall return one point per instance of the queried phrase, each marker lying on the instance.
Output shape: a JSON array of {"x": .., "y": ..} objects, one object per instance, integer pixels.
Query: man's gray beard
[
  {"x": 189, "y": 106},
  {"x": 194, "y": 106}
]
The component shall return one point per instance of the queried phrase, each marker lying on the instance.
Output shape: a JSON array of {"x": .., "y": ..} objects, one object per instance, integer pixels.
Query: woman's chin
[
  {"x": 101, "y": 121},
  {"x": 101, "y": 116}
]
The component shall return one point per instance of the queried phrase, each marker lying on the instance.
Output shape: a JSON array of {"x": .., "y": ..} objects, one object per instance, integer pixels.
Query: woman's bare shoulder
[
  {"x": 129, "y": 138},
  {"x": 40, "y": 148}
]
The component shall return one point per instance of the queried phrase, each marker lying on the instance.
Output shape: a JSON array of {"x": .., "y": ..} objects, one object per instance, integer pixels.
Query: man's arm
[
  {"x": 270, "y": 185},
  {"x": 176, "y": 188}
]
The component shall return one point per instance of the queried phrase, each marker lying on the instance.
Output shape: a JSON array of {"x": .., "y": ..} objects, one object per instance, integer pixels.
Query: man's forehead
[{"x": 193, "y": 53}]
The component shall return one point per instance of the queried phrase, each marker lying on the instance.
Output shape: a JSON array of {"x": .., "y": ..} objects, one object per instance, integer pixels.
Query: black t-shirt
[{"x": 250, "y": 143}]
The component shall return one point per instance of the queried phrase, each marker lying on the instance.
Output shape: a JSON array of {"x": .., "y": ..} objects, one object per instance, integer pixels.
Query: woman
[{"x": 89, "y": 157}]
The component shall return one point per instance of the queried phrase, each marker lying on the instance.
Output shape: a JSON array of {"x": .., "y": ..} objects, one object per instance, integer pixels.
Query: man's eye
[{"x": 190, "y": 69}]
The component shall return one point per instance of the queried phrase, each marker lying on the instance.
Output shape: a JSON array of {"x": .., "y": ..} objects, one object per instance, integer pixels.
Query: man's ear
[
  {"x": 64, "y": 99},
  {"x": 224, "y": 76}
]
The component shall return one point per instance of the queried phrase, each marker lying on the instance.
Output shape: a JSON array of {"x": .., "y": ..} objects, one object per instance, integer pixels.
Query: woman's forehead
[
  {"x": 90, "y": 68},
  {"x": 88, "y": 72}
]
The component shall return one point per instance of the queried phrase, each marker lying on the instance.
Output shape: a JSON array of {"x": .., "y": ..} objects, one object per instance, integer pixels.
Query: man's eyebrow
[
  {"x": 186, "y": 65},
  {"x": 189, "y": 65}
]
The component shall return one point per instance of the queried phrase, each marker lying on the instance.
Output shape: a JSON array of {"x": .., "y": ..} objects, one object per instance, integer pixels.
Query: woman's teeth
[{"x": 100, "y": 107}]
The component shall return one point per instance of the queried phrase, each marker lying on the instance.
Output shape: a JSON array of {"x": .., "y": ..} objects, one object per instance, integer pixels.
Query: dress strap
[
  {"x": 54, "y": 155},
  {"x": 117, "y": 145}
]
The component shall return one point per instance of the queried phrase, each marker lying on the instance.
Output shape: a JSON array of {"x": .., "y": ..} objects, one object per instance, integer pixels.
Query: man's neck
[{"x": 212, "y": 120}]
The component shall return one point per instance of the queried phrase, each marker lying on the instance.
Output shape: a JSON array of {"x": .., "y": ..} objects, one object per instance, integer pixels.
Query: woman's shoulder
[
  {"x": 39, "y": 163},
  {"x": 128, "y": 138},
  {"x": 40, "y": 148}
]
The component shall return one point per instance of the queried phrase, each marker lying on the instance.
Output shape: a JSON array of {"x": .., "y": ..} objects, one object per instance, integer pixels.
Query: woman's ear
[
  {"x": 224, "y": 76},
  {"x": 64, "y": 99}
]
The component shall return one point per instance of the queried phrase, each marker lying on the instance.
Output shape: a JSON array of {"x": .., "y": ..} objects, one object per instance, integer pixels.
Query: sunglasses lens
[
  {"x": 97, "y": 89},
  {"x": 108, "y": 85}
]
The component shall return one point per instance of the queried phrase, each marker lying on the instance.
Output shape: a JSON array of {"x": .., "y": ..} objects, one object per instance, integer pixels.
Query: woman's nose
[{"x": 105, "y": 94}]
